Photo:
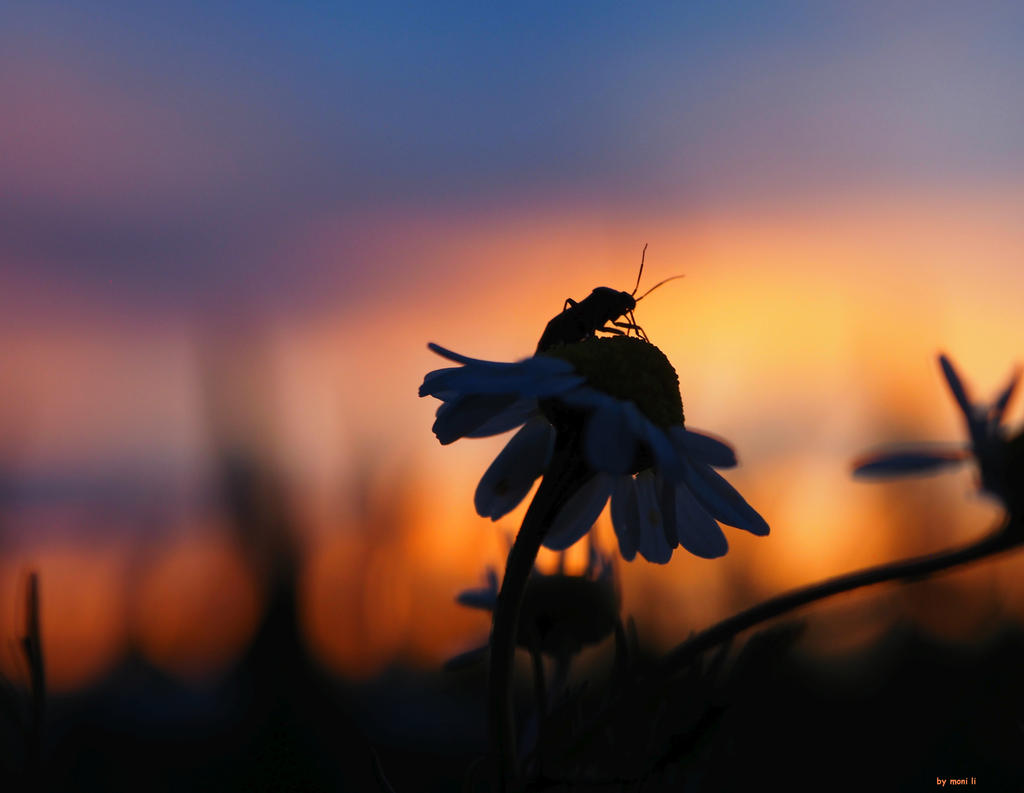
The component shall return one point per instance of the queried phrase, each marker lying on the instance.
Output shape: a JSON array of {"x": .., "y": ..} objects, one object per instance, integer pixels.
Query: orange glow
[
  {"x": 355, "y": 611},
  {"x": 196, "y": 606},
  {"x": 82, "y": 601},
  {"x": 388, "y": 591},
  {"x": 804, "y": 335}
]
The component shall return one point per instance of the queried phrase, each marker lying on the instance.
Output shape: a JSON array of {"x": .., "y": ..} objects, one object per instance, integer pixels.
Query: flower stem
[
  {"x": 917, "y": 567},
  {"x": 1007, "y": 537},
  {"x": 541, "y": 696},
  {"x": 566, "y": 474}
]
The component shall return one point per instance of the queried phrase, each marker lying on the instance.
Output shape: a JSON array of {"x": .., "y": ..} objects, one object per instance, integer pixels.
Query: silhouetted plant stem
[
  {"x": 32, "y": 646},
  {"x": 541, "y": 698},
  {"x": 1007, "y": 537},
  {"x": 564, "y": 477},
  {"x": 539, "y": 687},
  {"x": 378, "y": 772},
  {"x": 1003, "y": 539}
]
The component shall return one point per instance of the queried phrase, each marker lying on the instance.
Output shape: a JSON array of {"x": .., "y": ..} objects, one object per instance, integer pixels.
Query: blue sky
[{"x": 170, "y": 148}]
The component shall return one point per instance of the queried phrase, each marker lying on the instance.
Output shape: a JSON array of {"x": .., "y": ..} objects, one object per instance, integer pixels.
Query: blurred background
[{"x": 228, "y": 233}]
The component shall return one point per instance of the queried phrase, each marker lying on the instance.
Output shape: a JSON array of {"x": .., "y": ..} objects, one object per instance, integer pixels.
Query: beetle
[{"x": 583, "y": 319}]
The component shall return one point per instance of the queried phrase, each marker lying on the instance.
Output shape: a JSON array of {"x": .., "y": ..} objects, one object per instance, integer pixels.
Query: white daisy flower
[
  {"x": 1000, "y": 458},
  {"x": 622, "y": 395}
]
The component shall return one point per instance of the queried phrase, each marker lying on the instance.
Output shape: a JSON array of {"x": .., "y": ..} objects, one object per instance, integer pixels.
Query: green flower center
[{"x": 630, "y": 369}]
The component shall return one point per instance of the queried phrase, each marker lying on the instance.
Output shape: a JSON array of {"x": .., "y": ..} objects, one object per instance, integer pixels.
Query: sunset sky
[{"x": 258, "y": 216}]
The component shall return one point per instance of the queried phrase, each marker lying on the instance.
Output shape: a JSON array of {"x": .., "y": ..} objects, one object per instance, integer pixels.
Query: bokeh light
[{"x": 248, "y": 249}]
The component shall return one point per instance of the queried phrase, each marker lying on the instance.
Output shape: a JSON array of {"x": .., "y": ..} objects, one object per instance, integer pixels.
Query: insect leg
[{"x": 631, "y": 325}]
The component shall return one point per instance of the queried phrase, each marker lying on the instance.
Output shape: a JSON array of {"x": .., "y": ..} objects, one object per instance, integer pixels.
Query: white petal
[
  {"x": 547, "y": 362},
  {"x": 579, "y": 513},
  {"x": 956, "y": 386},
  {"x": 665, "y": 492},
  {"x": 516, "y": 414},
  {"x": 586, "y": 398},
  {"x": 431, "y": 380},
  {"x": 522, "y": 379},
  {"x": 921, "y": 460},
  {"x": 483, "y": 599},
  {"x": 537, "y": 376},
  {"x": 625, "y": 517},
  {"x": 614, "y": 429},
  {"x": 977, "y": 416},
  {"x": 721, "y": 500},
  {"x": 702, "y": 447},
  {"x": 653, "y": 546},
  {"x": 467, "y": 414},
  {"x": 610, "y": 442},
  {"x": 513, "y": 472},
  {"x": 999, "y": 406},
  {"x": 666, "y": 459},
  {"x": 467, "y": 659},
  {"x": 698, "y": 532}
]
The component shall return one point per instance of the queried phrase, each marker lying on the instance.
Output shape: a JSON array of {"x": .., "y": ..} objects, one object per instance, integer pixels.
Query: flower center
[{"x": 629, "y": 369}]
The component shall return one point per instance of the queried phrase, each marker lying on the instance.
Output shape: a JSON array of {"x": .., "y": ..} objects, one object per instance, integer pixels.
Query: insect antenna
[
  {"x": 642, "y": 254},
  {"x": 671, "y": 278}
]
